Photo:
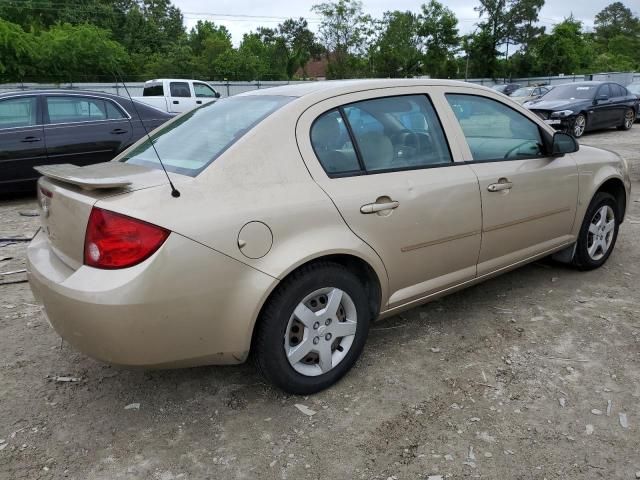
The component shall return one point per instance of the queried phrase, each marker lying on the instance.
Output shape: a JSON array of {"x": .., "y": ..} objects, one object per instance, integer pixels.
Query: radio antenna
[{"x": 174, "y": 191}]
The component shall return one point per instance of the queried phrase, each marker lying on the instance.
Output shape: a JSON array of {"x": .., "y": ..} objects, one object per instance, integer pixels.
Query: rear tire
[
  {"x": 313, "y": 329},
  {"x": 627, "y": 120},
  {"x": 598, "y": 233}
]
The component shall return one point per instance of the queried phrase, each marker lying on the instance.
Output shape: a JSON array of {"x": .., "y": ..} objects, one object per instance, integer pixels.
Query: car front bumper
[{"x": 186, "y": 305}]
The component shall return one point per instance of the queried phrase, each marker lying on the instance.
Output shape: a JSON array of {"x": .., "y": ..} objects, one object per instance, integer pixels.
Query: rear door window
[
  {"x": 180, "y": 89},
  {"x": 618, "y": 90},
  {"x": 63, "y": 109},
  {"x": 389, "y": 134},
  {"x": 333, "y": 146},
  {"x": 494, "y": 131},
  {"x": 114, "y": 112}
]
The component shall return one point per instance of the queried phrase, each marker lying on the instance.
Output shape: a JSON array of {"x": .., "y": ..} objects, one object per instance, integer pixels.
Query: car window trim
[
  {"x": 352, "y": 138},
  {"x": 356, "y": 147},
  {"x": 541, "y": 132},
  {"x": 46, "y": 121}
]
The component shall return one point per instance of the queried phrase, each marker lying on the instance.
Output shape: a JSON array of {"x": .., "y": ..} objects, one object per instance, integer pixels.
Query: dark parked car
[
  {"x": 65, "y": 126},
  {"x": 506, "y": 88},
  {"x": 634, "y": 88},
  {"x": 584, "y": 106}
]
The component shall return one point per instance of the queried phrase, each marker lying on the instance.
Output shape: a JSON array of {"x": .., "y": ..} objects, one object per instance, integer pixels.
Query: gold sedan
[{"x": 298, "y": 215}]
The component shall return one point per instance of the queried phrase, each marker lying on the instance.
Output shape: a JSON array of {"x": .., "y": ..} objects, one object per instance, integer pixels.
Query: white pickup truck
[{"x": 177, "y": 95}]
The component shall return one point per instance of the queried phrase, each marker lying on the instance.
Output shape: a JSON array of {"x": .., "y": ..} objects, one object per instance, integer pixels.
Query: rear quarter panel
[{"x": 261, "y": 178}]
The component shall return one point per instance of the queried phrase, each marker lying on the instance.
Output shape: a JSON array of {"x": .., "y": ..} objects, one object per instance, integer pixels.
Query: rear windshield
[
  {"x": 153, "y": 90},
  {"x": 522, "y": 92},
  {"x": 194, "y": 140},
  {"x": 572, "y": 92},
  {"x": 634, "y": 88}
]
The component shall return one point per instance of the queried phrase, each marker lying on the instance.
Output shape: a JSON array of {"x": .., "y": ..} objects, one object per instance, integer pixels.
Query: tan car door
[
  {"x": 529, "y": 199},
  {"x": 383, "y": 158}
]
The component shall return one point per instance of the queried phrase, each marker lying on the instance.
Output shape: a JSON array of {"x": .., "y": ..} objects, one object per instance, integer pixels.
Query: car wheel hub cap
[
  {"x": 320, "y": 332},
  {"x": 601, "y": 230},
  {"x": 629, "y": 119}
]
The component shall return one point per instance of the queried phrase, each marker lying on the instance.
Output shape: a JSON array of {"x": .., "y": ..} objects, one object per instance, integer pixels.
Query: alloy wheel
[
  {"x": 601, "y": 230},
  {"x": 629, "y": 118},
  {"x": 320, "y": 332},
  {"x": 579, "y": 125}
]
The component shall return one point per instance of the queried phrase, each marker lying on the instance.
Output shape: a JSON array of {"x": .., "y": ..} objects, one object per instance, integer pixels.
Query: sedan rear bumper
[{"x": 185, "y": 305}]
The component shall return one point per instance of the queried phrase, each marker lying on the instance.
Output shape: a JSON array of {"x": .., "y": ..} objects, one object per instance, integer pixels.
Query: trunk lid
[{"x": 67, "y": 193}]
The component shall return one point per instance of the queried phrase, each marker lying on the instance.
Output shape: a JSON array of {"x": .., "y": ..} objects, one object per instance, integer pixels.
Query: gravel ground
[{"x": 532, "y": 375}]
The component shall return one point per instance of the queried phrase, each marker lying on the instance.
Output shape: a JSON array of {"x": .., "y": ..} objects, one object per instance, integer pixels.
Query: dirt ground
[{"x": 532, "y": 375}]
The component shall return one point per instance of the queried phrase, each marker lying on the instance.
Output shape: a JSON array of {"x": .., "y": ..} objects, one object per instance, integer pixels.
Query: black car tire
[
  {"x": 269, "y": 353},
  {"x": 628, "y": 119},
  {"x": 572, "y": 129},
  {"x": 582, "y": 259}
]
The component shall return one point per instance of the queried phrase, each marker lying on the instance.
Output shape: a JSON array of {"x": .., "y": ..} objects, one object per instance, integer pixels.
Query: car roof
[
  {"x": 337, "y": 87},
  {"x": 62, "y": 91},
  {"x": 583, "y": 84}
]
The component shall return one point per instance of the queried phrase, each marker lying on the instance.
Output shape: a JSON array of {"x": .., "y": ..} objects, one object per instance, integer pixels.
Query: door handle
[
  {"x": 118, "y": 131},
  {"x": 199, "y": 102},
  {"x": 176, "y": 102},
  {"x": 378, "y": 207},
  {"x": 30, "y": 139},
  {"x": 503, "y": 184}
]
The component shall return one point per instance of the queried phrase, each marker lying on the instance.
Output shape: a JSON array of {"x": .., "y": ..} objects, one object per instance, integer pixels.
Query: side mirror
[
  {"x": 563, "y": 143},
  {"x": 602, "y": 98},
  {"x": 217, "y": 95}
]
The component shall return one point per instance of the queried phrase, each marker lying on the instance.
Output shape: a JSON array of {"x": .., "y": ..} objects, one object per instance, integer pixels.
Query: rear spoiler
[{"x": 91, "y": 177}]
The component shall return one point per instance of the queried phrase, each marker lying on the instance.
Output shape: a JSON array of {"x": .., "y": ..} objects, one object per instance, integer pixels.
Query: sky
[{"x": 239, "y": 16}]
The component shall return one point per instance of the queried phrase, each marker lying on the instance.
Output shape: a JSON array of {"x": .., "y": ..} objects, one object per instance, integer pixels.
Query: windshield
[
  {"x": 634, "y": 88},
  {"x": 499, "y": 88},
  {"x": 194, "y": 140},
  {"x": 522, "y": 92},
  {"x": 572, "y": 92}
]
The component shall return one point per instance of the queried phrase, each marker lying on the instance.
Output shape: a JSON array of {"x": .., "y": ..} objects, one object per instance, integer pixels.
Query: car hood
[{"x": 555, "y": 104}]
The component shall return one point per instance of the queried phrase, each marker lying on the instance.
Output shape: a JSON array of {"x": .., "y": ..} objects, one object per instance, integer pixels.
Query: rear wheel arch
[{"x": 356, "y": 265}]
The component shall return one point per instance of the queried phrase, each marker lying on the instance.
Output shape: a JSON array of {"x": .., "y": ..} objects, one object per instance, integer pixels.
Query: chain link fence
[{"x": 229, "y": 88}]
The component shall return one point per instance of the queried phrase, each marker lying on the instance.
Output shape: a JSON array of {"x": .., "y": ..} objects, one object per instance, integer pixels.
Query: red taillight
[{"x": 117, "y": 241}]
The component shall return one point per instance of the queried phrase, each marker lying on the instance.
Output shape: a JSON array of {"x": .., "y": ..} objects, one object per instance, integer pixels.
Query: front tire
[
  {"x": 313, "y": 329},
  {"x": 579, "y": 125},
  {"x": 598, "y": 233},
  {"x": 627, "y": 120}
]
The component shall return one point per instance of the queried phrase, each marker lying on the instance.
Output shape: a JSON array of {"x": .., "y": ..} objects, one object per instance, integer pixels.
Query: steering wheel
[{"x": 517, "y": 147}]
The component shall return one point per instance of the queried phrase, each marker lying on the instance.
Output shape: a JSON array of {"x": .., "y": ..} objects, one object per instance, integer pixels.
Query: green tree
[
  {"x": 70, "y": 53},
  {"x": 17, "y": 52},
  {"x": 481, "y": 53},
  {"x": 615, "y": 20},
  {"x": 398, "y": 49},
  {"x": 176, "y": 61},
  {"x": 439, "y": 30},
  {"x": 565, "y": 50},
  {"x": 300, "y": 44},
  {"x": 345, "y": 32}
]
